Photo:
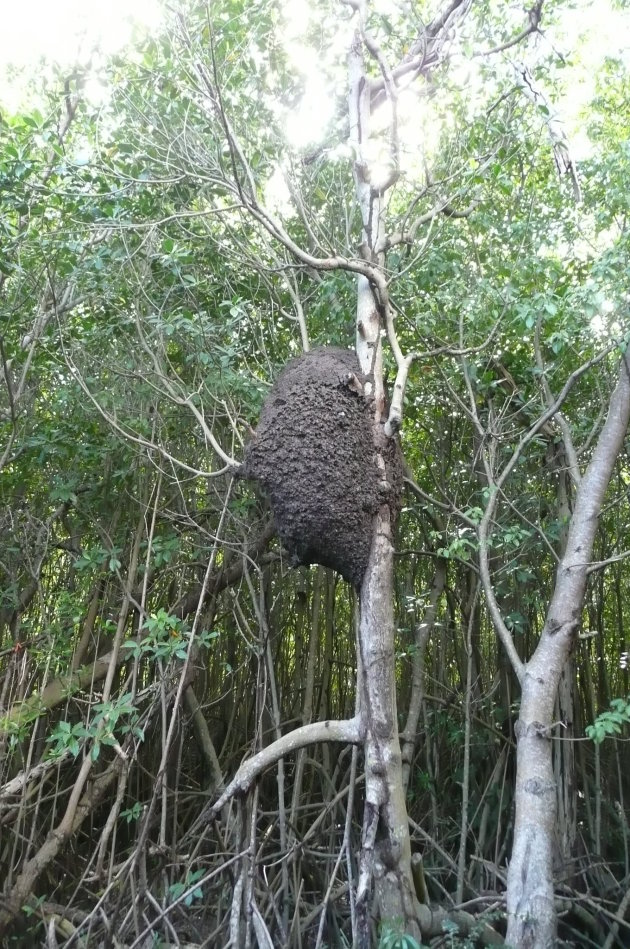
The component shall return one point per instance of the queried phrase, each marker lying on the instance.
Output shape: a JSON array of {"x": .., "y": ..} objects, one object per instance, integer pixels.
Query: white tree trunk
[
  {"x": 386, "y": 851},
  {"x": 530, "y": 891},
  {"x": 385, "y": 862}
]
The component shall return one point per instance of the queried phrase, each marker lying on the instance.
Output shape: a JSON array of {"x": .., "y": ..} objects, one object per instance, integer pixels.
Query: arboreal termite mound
[{"x": 314, "y": 455}]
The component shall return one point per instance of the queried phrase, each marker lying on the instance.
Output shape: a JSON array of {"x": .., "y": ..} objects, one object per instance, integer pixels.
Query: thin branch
[
  {"x": 551, "y": 411},
  {"x": 504, "y": 634},
  {"x": 259, "y": 211},
  {"x": 391, "y": 91},
  {"x": 483, "y": 531},
  {"x": 600, "y": 564},
  {"x": 346, "y": 731},
  {"x": 404, "y": 364},
  {"x": 557, "y": 135},
  {"x": 574, "y": 468},
  {"x": 535, "y": 15},
  {"x": 231, "y": 466}
]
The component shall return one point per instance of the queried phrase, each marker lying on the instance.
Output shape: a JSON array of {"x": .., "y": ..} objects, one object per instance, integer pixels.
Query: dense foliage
[{"x": 152, "y": 634}]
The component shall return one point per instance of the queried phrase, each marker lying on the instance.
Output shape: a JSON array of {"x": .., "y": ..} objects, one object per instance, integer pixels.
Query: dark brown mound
[{"x": 314, "y": 456}]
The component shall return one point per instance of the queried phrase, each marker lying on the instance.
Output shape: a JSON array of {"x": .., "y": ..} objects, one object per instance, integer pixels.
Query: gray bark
[
  {"x": 386, "y": 850},
  {"x": 385, "y": 862},
  {"x": 530, "y": 896}
]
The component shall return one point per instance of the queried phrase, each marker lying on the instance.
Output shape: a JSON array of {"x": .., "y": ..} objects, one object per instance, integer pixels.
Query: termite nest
[{"x": 314, "y": 454}]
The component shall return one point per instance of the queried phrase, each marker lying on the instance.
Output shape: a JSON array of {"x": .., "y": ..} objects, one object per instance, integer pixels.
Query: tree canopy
[{"x": 190, "y": 732}]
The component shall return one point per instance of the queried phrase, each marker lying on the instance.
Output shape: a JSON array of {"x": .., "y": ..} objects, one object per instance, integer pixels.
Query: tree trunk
[
  {"x": 564, "y": 768},
  {"x": 386, "y": 851},
  {"x": 530, "y": 892},
  {"x": 563, "y": 748},
  {"x": 385, "y": 846}
]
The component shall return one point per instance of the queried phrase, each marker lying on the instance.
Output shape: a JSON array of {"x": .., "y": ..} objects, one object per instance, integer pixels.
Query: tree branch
[
  {"x": 535, "y": 15},
  {"x": 349, "y": 730}
]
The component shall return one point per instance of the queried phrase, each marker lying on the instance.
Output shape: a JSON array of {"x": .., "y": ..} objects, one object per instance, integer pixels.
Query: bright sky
[
  {"x": 592, "y": 30},
  {"x": 66, "y": 31},
  {"x": 63, "y": 28}
]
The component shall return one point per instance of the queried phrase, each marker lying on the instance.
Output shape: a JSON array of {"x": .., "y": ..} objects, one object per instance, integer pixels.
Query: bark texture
[
  {"x": 385, "y": 862},
  {"x": 313, "y": 455},
  {"x": 530, "y": 894}
]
